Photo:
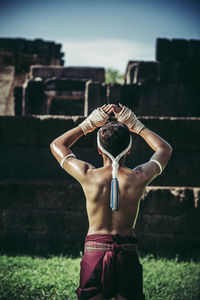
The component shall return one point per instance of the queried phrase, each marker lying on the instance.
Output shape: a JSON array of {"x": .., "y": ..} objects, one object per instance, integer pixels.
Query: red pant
[{"x": 110, "y": 265}]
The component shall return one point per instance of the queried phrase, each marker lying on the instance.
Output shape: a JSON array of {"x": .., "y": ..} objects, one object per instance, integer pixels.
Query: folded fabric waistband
[
  {"x": 95, "y": 246},
  {"x": 109, "y": 238}
]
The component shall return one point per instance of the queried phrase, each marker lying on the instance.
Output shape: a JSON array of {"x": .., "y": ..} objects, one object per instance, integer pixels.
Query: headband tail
[{"x": 114, "y": 197}]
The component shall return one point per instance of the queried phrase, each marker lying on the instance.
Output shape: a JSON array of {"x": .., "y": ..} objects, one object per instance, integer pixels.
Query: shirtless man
[{"x": 110, "y": 266}]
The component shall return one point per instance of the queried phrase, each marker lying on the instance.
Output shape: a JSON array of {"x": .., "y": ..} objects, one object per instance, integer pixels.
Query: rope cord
[{"x": 114, "y": 197}]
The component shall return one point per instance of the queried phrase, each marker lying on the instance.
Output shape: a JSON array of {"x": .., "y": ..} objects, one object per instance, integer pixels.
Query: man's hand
[
  {"x": 96, "y": 119},
  {"x": 124, "y": 115}
]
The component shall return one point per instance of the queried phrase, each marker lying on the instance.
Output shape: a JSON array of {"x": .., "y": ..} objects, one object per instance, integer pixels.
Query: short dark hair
[{"x": 114, "y": 137}]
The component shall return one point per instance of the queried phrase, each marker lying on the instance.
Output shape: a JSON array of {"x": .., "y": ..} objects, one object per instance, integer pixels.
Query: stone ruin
[
  {"x": 40, "y": 203},
  {"x": 16, "y": 57}
]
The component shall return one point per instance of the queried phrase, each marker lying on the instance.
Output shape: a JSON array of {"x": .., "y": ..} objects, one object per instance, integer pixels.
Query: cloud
[{"x": 108, "y": 53}]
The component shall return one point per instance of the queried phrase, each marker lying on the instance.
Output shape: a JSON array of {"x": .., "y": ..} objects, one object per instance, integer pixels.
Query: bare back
[{"x": 97, "y": 191}]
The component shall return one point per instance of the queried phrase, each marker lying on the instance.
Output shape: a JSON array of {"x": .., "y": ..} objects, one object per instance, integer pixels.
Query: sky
[{"x": 101, "y": 33}]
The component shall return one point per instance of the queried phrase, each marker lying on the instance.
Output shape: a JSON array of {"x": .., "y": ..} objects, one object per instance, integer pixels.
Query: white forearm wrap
[
  {"x": 127, "y": 117},
  {"x": 96, "y": 119}
]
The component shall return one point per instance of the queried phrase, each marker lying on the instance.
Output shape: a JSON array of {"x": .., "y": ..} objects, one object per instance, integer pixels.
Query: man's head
[{"x": 114, "y": 137}]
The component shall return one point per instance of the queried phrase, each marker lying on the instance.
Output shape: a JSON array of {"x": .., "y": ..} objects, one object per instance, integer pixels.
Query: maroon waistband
[{"x": 109, "y": 238}]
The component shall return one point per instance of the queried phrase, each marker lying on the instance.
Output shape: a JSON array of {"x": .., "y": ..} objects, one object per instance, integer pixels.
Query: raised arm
[
  {"x": 162, "y": 149},
  {"x": 60, "y": 147}
]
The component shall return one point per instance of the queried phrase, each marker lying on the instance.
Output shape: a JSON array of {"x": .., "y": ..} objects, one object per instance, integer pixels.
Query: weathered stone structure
[
  {"x": 169, "y": 86},
  {"x": 22, "y": 53},
  {"x": 16, "y": 57},
  {"x": 58, "y": 90},
  {"x": 42, "y": 207}
]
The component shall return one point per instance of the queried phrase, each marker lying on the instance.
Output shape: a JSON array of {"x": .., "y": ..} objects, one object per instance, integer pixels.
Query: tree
[{"x": 114, "y": 76}]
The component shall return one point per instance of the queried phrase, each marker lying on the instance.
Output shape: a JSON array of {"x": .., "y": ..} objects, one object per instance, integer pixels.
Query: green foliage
[
  {"x": 114, "y": 76},
  {"x": 57, "y": 278}
]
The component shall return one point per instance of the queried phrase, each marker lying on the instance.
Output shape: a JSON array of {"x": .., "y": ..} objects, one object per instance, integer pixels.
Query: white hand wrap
[
  {"x": 127, "y": 117},
  {"x": 96, "y": 119}
]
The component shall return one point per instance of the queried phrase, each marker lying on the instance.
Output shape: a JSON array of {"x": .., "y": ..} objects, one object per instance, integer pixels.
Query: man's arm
[
  {"x": 60, "y": 148},
  {"x": 163, "y": 152},
  {"x": 162, "y": 149}
]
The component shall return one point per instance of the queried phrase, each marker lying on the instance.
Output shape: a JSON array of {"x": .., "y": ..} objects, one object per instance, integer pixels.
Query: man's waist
[
  {"x": 91, "y": 246},
  {"x": 110, "y": 238}
]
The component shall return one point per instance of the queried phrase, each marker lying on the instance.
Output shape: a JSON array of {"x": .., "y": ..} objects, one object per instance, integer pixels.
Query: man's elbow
[
  {"x": 168, "y": 150},
  {"x": 53, "y": 146}
]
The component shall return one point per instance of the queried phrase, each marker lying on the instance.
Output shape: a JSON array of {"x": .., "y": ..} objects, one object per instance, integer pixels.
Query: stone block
[
  {"x": 194, "y": 50},
  {"x": 18, "y": 219},
  {"x": 93, "y": 97},
  {"x": 148, "y": 72},
  {"x": 179, "y": 50},
  {"x": 188, "y": 101},
  {"x": 149, "y": 99},
  {"x": 184, "y": 169},
  {"x": 18, "y": 131},
  {"x": 167, "y": 201},
  {"x": 47, "y": 220},
  {"x": 170, "y": 72},
  {"x": 17, "y": 194},
  {"x": 168, "y": 95},
  {"x": 169, "y": 244},
  {"x": 139, "y": 72},
  {"x": 18, "y": 100},
  {"x": 29, "y": 163},
  {"x": 190, "y": 223},
  {"x": 131, "y": 72},
  {"x": 88, "y": 73},
  {"x": 160, "y": 125},
  {"x": 65, "y": 195},
  {"x": 130, "y": 96},
  {"x": 67, "y": 105},
  {"x": 163, "y": 50},
  {"x": 61, "y": 84},
  {"x": 51, "y": 127},
  {"x": 38, "y": 163},
  {"x": 114, "y": 93},
  {"x": 49, "y": 196},
  {"x": 187, "y": 73},
  {"x": 184, "y": 132},
  {"x": 16, "y": 241},
  {"x": 34, "y": 101},
  {"x": 57, "y": 242},
  {"x": 159, "y": 224}
]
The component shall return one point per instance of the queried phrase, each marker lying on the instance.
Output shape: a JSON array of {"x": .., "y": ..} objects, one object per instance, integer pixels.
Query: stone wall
[
  {"x": 168, "y": 86},
  {"x": 58, "y": 90},
  {"x": 158, "y": 99},
  {"x": 25, "y": 145},
  {"x": 45, "y": 217},
  {"x": 22, "y": 53},
  {"x": 41, "y": 206}
]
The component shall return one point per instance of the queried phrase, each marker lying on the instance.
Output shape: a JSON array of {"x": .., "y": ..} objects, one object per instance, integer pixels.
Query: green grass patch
[{"x": 24, "y": 277}]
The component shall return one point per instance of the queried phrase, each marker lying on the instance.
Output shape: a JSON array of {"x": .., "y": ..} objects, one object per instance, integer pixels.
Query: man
[{"x": 110, "y": 266}]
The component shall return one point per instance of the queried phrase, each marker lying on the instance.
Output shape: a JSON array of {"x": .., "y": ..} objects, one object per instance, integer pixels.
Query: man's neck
[{"x": 108, "y": 162}]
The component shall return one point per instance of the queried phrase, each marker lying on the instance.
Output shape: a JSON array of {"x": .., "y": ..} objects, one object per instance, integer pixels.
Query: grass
[{"x": 24, "y": 277}]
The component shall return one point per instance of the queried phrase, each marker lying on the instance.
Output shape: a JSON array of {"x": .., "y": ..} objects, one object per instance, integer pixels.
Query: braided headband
[{"x": 114, "y": 197}]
